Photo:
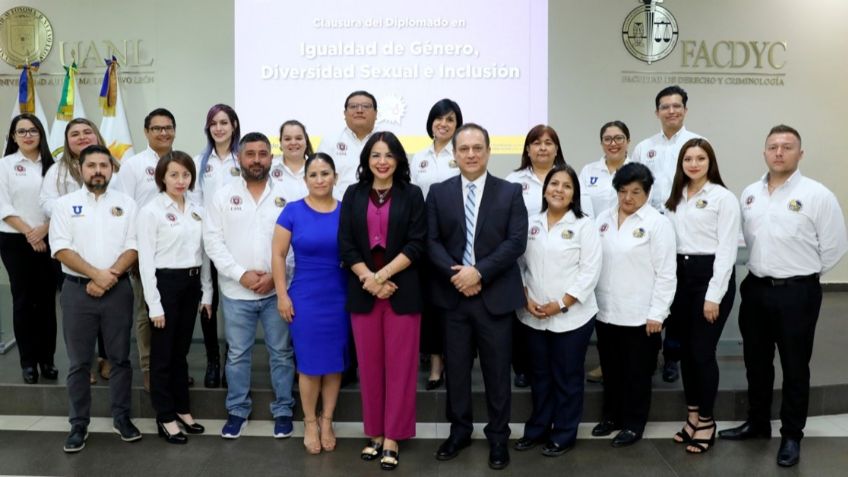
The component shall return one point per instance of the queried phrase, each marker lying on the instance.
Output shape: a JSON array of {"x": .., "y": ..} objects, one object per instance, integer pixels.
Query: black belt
[
  {"x": 780, "y": 282},
  {"x": 85, "y": 280},
  {"x": 180, "y": 272}
]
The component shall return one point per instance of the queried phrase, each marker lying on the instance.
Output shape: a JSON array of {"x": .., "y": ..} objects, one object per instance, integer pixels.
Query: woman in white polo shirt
[
  {"x": 560, "y": 269},
  {"x": 634, "y": 295}
]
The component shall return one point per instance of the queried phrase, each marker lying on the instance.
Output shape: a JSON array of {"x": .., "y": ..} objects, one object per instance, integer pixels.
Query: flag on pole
[
  {"x": 114, "y": 128},
  {"x": 70, "y": 107},
  {"x": 27, "y": 101}
]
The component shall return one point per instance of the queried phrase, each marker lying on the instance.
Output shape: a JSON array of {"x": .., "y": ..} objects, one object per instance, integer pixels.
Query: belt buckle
[{"x": 193, "y": 272}]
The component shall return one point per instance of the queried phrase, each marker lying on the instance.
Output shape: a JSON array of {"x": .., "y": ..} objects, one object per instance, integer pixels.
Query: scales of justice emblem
[{"x": 649, "y": 31}]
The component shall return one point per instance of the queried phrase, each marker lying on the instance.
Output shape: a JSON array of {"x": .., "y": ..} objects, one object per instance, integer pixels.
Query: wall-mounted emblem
[{"x": 649, "y": 32}]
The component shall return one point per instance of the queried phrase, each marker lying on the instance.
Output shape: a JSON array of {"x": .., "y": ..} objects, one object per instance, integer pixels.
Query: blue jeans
[{"x": 240, "y": 319}]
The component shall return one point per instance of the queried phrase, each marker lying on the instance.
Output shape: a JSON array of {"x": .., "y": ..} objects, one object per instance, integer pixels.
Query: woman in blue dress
[{"x": 314, "y": 304}]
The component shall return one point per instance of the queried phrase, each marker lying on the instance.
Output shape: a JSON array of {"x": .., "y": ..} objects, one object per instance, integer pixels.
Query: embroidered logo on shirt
[
  {"x": 277, "y": 173},
  {"x": 749, "y": 200},
  {"x": 208, "y": 168},
  {"x": 234, "y": 171},
  {"x": 279, "y": 201},
  {"x": 77, "y": 209},
  {"x": 21, "y": 170},
  {"x": 150, "y": 171},
  {"x": 795, "y": 205},
  {"x": 117, "y": 211},
  {"x": 235, "y": 200},
  {"x": 534, "y": 230},
  {"x": 567, "y": 234},
  {"x": 604, "y": 228},
  {"x": 593, "y": 180},
  {"x": 171, "y": 217},
  {"x": 195, "y": 216},
  {"x": 639, "y": 233},
  {"x": 423, "y": 164},
  {"x": 700, "y": 203},
  {"x": 341, "y": 148},
  {"x": 651, "y": 154},
  {"x": 525, "y": 186},
  {"x": 452, "y": 163}
]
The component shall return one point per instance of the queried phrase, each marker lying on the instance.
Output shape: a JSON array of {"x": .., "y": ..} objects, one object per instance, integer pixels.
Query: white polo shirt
[
  {"x": 136, "y": 177},
  {"x": 531, "y": 190},
  {"x": 237, "y": 234},
  {"x": 563, "y": 259},
  {"x": 797, "y": 230},
  {"x": 345, "y": 149},
  {"x": 660, "y": 153},
  {"x": 20, "y": 185},
  {"x": 170, "y": 238},
  {"x": 99, "y": 230},
  {"x": 708, "y": 224},
  {"x": 639, "y": 272},
  {"x": 217, "y": 173},
  {"x": 57, "y": 182},
  {"x": 293, "y": 182},
  {"x": 428, "y": 168},
  {"x": 596, "y": 184}
]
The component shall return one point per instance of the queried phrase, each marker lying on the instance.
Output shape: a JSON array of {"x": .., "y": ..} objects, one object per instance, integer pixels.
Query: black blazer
[
  {"x": 500, "y": 239},
  {"x": 407, "y": 234}
]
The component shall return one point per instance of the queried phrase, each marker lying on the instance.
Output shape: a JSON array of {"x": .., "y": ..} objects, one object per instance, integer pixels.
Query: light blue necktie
[{"x": 470, "y": 206}]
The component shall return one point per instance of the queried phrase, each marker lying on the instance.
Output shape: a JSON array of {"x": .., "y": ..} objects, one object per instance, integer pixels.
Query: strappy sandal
[
  {"x": 700, "y": 446},
  {"x": 389, "y": 460},
  {"x": 371, "y": 451},
  {"x": 328, "y": 439},
  {"x": 684, "y": 436},
  {"x": 313, "y": 446}
]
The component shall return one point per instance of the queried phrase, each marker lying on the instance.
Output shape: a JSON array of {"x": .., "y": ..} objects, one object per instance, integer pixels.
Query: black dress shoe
[
  {"x": 526, "y": 443},
  {"x": 671, "y": 371},
  {"x": 30, "y": 375},
  {"x": 521, "y": 380},
  {"x": 212, "y": 379},
  {"x": 190, "y": 381},
  {"x": 450, "y": 448},
  {"x": 124, "y": 427},
  {"x": 626, "y": 438},
  {"x": 193, "y": 428},
  {"x": 605, "y": 428},
  {"x": 498, "y": 456},
  {"x": 435, "y": 383},
  {"x": 76, "y": 439},
  {"x": 789, "y": 453},
  {"x": 552, "y": 449},
  {"x": 178, "y": 438},
  {"x": 748, "y": 430},
  {"x": 48, "y": 371}
]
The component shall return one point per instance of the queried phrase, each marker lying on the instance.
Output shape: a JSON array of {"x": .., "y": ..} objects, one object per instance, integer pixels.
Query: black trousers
[
  {"x": 520, "y": 348},
  {"x": 82, "y": 317},
  {"x": 209, "y": 325},
  {"x": 471, "y": 328},
  {"x": 180, "y": 293},
  {"x": 556, "y": 366},
  {"x": 628, "y": 358},
  {"x": 32, "y": 279},
  {"x": 698, "y": 337},
  {"x": 432, "y": 339},
  {"x": 780, "y": 313}
]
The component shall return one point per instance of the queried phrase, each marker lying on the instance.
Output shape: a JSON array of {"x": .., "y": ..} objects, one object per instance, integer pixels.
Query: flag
[
  {"x": 70, "y": 107},
  {"x": 27, "y": 101},
  {"x": 114, "y": 128}
]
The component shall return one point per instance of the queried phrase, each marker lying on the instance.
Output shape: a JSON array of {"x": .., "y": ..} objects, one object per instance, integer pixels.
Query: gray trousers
[{"x": 82, "y": 317}]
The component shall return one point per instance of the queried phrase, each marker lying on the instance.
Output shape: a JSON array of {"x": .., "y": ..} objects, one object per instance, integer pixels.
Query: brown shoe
[
  {"x": 147, "y": 381},
  {"x": 595, "y": 375},
  {"x": 92, "y": 378},
  {"x": 105, "y": 368}
]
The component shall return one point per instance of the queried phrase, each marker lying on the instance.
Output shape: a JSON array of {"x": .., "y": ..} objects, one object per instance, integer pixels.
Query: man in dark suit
[{"x": 477, "y": 230}]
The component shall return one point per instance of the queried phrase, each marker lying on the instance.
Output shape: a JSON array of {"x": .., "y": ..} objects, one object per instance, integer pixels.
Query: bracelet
[{"x": 377, "y": 278}]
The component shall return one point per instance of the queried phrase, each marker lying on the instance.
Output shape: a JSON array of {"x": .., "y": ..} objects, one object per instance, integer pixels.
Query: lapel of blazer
[
  {"x": 395, "y": 212},
  {"x": 360, "y": 209},
  {"x": 457, "y": 195},
  {"x": 489, "y": 195}
]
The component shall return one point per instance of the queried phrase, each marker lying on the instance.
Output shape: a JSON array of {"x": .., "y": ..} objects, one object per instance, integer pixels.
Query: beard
[
  {"x": 255, "y": 173},
  {"x": 98, "y": 186}
]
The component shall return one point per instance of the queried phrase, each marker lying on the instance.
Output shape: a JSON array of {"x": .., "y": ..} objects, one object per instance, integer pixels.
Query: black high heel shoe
[
  {"x": 701, "y": 446},
  {"x": 178, "y": 438},
  {"x": 435, "y": 383},
  {"x": 193, "y": 428}
]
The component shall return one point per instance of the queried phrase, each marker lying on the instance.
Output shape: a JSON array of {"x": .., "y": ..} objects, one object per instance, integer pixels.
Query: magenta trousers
[{"x": 387, "y": 350}]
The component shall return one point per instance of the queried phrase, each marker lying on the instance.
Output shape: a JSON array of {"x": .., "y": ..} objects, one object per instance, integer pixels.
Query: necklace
[{"x": 381, "y": 196}]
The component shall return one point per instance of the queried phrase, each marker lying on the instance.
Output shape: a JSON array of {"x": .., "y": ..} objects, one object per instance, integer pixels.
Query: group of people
[{"x": 357, "y": 255}]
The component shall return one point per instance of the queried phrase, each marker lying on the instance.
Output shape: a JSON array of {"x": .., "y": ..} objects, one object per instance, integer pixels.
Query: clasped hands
[
  {"x": 466, "y": 280},
  {"x": 102, "y": 280},
  {"x": 382, "y": 291},
  {"x": 35, "y": 237},
  {"x": 257, "y": 281}
]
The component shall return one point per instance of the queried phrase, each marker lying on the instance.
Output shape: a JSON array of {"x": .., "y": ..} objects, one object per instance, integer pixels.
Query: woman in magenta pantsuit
[{"x": 381, "y": 240}]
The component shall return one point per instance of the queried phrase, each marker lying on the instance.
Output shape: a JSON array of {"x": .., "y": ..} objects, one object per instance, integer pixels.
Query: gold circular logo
[
  {"x": 649, "y": 32},
  {"x": 25, "y": 36}
]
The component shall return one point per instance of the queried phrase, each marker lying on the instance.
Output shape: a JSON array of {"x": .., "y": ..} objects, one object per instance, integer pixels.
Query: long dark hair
[
  {"x": 294, "y": 122},
  {"x": 43, "y": 148},
  {"x": 210, "y": 142},
  {"x": 575, "y": 198},
  {"x": 681, "y": 179},
  {"x": 535, "y": 133},
  {"x": 401, "y": 175}
]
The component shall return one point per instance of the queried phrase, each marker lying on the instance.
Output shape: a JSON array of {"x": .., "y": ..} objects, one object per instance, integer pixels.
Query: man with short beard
[
  {"x": 92, "y": 232},
  {"x": 237, "y": 236}
]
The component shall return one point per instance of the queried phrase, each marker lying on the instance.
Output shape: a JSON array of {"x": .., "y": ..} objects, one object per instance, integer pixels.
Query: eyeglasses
[
  {"x": 671, "y": 106},
  {"x": 161, "y": 129},
  {"x": 617, "y": 139},
  {"x": 27, "y": 132},
  {"x": 360, "y": 107}
]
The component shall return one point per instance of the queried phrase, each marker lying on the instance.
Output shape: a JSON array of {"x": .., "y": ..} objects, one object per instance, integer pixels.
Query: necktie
[{"x": 470, "y": 214}]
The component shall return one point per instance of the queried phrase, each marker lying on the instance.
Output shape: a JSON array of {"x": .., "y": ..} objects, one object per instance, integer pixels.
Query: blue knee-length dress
[{"x": 318, "y": 290}]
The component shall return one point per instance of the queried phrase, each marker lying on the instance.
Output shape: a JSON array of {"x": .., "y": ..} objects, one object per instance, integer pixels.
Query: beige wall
[{"x": 191, "y": 43}]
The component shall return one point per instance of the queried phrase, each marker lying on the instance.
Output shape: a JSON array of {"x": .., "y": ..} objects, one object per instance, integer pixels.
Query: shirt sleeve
[
  {"x": 60, "y": 231},
  {"x": 49, "y": 190},
  {"x": 146, "y": 241},
  {"x": 206, "y": 280},
  {"x": 6, "y": 207},
  {"x": 131, "y": 239},
  {"x": 725, "y": 256},
  {"x": 589, "y": 267},
  {"x": 213, "y": 242},
  {"x": 664, "y": 261},
  {"x": 830, "y": 228}
]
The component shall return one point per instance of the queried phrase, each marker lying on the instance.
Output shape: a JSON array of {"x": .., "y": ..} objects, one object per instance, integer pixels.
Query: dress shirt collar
[
  {"x": 22, "y": 158},
  {"x": 674, "y": 136},
  {"x": 795, "y": 177},
  {"x": 478, "y": 182},
  {"x": 568, "y": 218}
]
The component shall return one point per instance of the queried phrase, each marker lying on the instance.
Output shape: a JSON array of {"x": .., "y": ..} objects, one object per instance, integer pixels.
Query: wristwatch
[{"x": 563, "y": 308}]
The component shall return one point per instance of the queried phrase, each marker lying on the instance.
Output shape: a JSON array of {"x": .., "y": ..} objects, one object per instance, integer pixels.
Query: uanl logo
[{"x": 649, "y": 31}]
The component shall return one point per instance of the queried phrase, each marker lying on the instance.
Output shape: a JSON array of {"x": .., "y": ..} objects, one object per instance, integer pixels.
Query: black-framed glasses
[
  {"x": 27, "y": 132},
  {"x": 360, "y": 106},
  {"x": 617, "y": 139},
  {"x": 161, "y": 129}
]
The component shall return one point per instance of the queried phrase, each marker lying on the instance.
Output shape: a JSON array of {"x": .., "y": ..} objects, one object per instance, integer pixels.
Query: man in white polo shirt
[{"x": 360, "y": 113}]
